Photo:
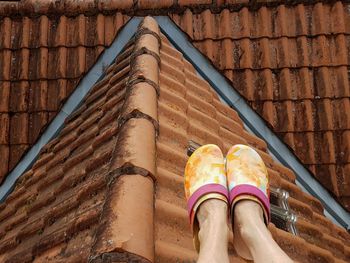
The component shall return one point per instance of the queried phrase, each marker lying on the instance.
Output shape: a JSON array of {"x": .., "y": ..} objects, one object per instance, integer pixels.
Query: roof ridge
[
  {"x": 131, "y": 7},
  {"x": 134, "y": 154}
]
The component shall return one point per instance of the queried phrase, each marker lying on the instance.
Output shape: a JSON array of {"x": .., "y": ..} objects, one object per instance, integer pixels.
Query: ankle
[
  {"x": 212, "y": 210},
  {"x": 211, "y": 232},
  {"x": 213, "y": 237},
  {"x": 252, "y": 234},
  {"x": 212, "y": 219},
  {"x": 249, "y": 222}
]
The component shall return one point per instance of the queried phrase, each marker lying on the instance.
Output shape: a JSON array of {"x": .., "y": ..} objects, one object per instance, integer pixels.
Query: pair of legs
[
  {"x": 252, "y": 240},
  {"x": 213, "y": 184}
]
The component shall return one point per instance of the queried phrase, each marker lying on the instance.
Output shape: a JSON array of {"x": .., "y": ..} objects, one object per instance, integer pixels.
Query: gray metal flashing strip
[
  {"x": 74, "y": 100},
  {"x": 252, "y": 119}
]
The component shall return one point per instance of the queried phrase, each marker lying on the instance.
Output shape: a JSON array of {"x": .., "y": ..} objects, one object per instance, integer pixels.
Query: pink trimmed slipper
[
  {"x": 205, "y": 179},
  {"x": 247, "y": 178}
]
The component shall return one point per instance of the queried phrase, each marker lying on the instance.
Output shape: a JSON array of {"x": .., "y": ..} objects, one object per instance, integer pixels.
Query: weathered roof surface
[
  {"x": 42, "y": 59},
  {"x": 300, "y": 69},
  {"x": 61, "y": 208},
  {"x": 291, "y": 63},
  {"x": 110, "y": 186},
  {"x": 131, "y": 7}
]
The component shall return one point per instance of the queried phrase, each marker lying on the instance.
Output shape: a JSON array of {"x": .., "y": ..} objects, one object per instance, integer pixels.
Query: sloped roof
[
  {"x": 61, "y": 206},
  {"x": 190, "y": 110},
  {"x": 110, "y": 188},
  {"x": 42, "y": 59},
  {"x": 289, "y": 60},
  {"x": 291, "y": 63}
]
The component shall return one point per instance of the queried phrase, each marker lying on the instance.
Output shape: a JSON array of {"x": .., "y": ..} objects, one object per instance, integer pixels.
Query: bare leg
[
  {"x": 250, "y": 228},
  {"x": 213, "y": 233}
]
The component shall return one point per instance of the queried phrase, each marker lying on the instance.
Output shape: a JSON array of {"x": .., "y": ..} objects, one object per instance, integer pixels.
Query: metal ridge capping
[
  {"x": 74, "y": 100},
  {"x": 252, "y": 119},
  {"x": 126, "y": 229}
]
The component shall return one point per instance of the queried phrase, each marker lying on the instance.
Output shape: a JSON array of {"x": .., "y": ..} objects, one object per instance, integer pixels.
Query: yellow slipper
[{"x": 205, "y": 178}]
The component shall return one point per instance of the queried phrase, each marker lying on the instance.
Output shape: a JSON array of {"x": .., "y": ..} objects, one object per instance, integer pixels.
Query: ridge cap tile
[
  {"x": 133, "y": 166},
  {"x": 139, "y": 7}
]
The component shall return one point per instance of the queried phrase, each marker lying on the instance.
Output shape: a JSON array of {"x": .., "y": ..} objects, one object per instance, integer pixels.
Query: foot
[
  {"x": 248, "y": 216},
  {"x": 214, "y": 231},
  {"x": 247, "y": 179},
  {"x": 252, "y": 239},
  {"x": 205, "y": 179}
]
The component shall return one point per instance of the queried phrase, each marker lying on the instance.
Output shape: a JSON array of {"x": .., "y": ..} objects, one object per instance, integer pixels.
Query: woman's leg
[
  {"x": 213, "y": 233},
  {"x": 249, "y": 227}
]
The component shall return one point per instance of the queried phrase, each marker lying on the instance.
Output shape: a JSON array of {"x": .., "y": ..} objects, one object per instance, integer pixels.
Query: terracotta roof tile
[
  {"x": 37, "y": 121},
  {"x": 18, "y": 128},
  {"x": 4, "y": 132},
  {"x": 149, "y": 4},
  {"x": 194, "y": 2},
  {"x": 5, "y": 96},
  {"x": 5, "y": 56},
  {"x": 112, "y": 5},
  {"x": 37, "y": 96}
]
